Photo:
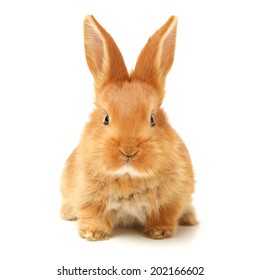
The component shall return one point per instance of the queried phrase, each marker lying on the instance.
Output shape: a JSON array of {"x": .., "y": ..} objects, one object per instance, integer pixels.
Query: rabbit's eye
[
  {"x": 152, "y": 120},
  {"x": 106, "y": 120}
]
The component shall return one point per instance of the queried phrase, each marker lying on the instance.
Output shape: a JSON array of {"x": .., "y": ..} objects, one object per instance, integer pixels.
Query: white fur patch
[
  {"x": 131, "y": 214},
  {"x": 128, "y": 169},
  {"x": 128, "y": 211}
]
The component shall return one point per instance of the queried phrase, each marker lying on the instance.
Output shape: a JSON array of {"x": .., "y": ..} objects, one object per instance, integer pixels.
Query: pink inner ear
[{"x": 94, "y": 49}]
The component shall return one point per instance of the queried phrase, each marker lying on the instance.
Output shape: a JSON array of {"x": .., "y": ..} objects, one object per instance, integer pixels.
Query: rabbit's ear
[
  {"x": 156, "y": 58},
  {"x": 104, "y": 59}
]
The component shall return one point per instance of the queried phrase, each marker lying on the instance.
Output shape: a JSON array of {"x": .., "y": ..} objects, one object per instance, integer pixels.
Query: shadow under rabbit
[{"x": 182, "y": 233}]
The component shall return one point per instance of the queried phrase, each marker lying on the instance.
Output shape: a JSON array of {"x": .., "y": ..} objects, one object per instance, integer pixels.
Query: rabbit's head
[{"x": 128, "y": 132}]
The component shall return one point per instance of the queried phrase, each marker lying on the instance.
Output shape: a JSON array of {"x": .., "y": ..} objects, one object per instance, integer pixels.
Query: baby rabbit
[{"x": 130, "y": 167}]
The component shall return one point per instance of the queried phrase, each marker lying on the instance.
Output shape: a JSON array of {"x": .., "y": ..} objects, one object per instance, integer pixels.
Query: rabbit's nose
[{"x": 128, "y": 154}]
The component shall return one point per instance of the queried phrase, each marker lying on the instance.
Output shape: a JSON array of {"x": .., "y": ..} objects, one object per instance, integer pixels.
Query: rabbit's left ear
[
  {"x": 104, "y": 59},
  {"x": 156, "y": 58}
]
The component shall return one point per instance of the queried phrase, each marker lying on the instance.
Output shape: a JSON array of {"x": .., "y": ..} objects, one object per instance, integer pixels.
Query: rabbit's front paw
[
  {"x": 159, "y": 232},
  {"x": 93, "y": 234}
]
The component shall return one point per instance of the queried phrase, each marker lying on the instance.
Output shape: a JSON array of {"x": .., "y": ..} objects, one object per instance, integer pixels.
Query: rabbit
[{"x": 130, "y": 168}]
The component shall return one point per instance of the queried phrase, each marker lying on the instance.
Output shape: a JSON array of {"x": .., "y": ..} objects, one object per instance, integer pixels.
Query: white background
[{"x": 212, "y": 100}]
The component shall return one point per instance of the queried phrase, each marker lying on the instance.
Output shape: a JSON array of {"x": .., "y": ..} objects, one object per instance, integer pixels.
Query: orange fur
[{"x": 128, "y": 172}]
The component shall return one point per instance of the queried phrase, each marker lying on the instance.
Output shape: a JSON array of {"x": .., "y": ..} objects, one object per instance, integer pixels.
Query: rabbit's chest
[{"x": 131, "y": 210}]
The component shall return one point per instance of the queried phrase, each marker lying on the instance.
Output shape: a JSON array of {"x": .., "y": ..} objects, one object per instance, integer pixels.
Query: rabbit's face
[{"x": 130, "y": 130}]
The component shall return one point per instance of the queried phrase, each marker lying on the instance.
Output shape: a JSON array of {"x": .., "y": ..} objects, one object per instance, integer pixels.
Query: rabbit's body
[{"x": 130, "y": 167}]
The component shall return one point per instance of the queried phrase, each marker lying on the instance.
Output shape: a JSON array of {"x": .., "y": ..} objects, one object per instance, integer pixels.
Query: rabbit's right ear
[
  {"x": 156, "y": 58},
  {"x": 104, "y": 59}
]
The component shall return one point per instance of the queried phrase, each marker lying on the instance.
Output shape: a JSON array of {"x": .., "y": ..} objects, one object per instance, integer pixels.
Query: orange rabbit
[{"x": 130, "y": 167}]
